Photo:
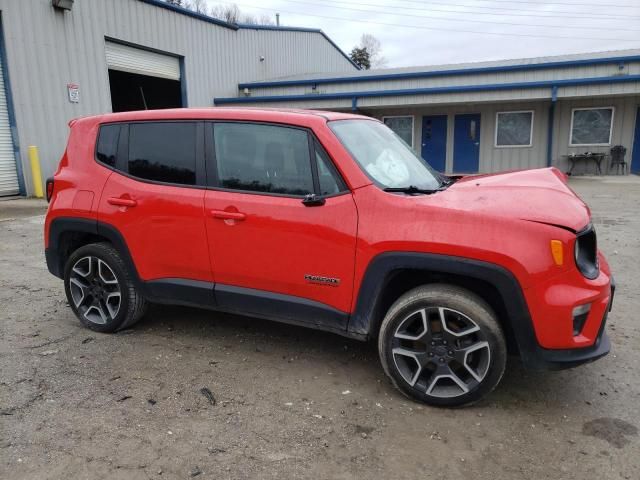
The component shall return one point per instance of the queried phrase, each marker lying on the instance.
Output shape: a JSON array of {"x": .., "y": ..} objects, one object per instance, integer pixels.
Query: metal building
[
  {"x": 110, "y": 55},
  {"x": 489, "y": 116}
]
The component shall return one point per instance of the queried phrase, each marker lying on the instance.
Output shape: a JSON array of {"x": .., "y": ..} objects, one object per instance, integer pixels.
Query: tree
[
  {"x": 176, "y": 3},
  {"x": 372, "y": 45},
  {"x": 199, "y": 6},
  {"x": 229, "y": 13},
  {"x": 226, "y": 13},
  {"x": 360, "y": 56}
]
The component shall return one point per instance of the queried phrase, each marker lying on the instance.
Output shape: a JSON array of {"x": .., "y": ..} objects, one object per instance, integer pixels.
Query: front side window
[
  {"x": 263, "y": 158},
  {"x": 163, "y": 152},
  {"x": 402, "y": 126},
  {"x": 384, "y": 157},
  {"x": 328, "y": 179},
  {"x": 514, "y": 129},
  {"x": 107, "y": 147},
  {"x": 591, "y": 126}
]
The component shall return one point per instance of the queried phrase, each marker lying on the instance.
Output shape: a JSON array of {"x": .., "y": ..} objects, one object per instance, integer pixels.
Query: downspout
[
  {"x": 354, "y": 104},
  {"x": 552, "y": 111}
]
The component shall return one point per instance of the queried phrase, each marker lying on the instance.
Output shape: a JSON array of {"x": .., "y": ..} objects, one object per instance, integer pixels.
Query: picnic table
[{"x": 586, "y": 157}]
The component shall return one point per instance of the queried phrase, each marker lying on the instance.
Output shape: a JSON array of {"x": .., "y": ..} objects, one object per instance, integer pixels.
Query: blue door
[
  {"x": 466, "y": 143},
  {"x": 434, "y": 141},
  {"x": 635, "y": 159}
]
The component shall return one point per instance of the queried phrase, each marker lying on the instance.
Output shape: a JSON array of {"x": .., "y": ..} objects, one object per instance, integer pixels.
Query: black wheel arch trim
[
  {"x": 61, "y": 225},
  {"x": 362, "y": 321},
  {"x": 365, "y": 318}
]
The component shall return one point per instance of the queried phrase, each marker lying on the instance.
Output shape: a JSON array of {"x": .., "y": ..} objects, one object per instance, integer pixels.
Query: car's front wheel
[
  {"x": 442, "y": 345},
  {"x": 100, "y": 289}
]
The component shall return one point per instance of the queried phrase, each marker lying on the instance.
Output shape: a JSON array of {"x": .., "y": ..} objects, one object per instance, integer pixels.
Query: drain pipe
[{"x": 552, "y": 112}]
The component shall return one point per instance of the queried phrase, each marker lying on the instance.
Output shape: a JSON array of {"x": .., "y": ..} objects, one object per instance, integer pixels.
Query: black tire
[
  {"x": 94, "y": 296},
  {"x": 471, "y": 346}
]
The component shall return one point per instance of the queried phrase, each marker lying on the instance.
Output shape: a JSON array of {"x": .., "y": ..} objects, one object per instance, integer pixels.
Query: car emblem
[{"x": 322, "y": 280}]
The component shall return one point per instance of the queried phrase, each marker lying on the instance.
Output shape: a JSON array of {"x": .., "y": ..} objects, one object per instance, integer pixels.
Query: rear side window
[
  {"x": 107, "y": 147},
  {"x": 263, "y": 158},
  {"x": 163, "y": 152}
]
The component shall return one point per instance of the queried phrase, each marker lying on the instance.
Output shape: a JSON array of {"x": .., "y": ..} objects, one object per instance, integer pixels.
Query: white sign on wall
[{"x": 74, "y": 92}]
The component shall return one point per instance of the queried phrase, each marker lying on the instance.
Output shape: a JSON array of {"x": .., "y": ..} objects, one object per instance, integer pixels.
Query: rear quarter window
[{"x": 107, "y": 146}]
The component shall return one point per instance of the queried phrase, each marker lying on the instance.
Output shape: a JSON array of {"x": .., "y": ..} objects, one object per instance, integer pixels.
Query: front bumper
[{"x": 557, "y": 359}]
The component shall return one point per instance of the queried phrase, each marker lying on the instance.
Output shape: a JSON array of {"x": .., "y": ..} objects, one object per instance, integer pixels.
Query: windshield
[{"x": 386, "y": 159}]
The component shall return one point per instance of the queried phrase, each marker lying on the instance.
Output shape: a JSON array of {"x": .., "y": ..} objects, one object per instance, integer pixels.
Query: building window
[
  {"x": 591, "y": 126},
  {"x": 402, "y": 126},
  {"x": 514, "y": 129}
]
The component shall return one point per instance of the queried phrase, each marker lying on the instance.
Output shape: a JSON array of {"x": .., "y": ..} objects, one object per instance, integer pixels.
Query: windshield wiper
[
  {"x": 411, "y": 190},
  {"x": 447, "y": 181}
]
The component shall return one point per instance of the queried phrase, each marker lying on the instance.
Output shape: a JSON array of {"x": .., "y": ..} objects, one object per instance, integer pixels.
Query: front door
[
  {"x": 274, "y": 251},
  {"x": 466, "y": 143},
  {"x": 434, "y": 141},
  {"x": 635, "y": 159}
]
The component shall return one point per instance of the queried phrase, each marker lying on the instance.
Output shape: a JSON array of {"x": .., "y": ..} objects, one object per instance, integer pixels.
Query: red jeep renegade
[{"x": 328, "y": 220}]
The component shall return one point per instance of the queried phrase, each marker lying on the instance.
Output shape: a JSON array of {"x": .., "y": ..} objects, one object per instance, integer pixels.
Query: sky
[{"x": 414, "y": 32}]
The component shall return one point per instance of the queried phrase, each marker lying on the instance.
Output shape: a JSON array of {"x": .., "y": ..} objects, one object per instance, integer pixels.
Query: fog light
[{"x": 580, "y": 314}]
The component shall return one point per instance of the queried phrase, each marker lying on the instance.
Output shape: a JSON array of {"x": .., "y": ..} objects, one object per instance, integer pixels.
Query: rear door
[
  {"x": 155, "y": 200},
  {"x": 277, "y": 252}
]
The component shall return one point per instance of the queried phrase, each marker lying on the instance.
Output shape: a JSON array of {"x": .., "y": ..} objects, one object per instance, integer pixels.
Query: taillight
[{"x": 49, "y": 189}]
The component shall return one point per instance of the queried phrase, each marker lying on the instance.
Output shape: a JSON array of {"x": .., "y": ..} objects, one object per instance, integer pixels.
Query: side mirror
[{"x": 312, "y": 200}]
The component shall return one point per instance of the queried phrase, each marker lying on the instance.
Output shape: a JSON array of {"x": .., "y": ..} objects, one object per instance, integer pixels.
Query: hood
[{"x": 540, "y": 195}]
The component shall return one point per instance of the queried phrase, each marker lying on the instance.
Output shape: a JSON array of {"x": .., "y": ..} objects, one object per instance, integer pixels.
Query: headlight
[{"x": 586, "y": 252}]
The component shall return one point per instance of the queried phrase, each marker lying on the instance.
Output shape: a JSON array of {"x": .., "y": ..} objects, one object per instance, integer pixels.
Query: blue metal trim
[
  {"x": 190, "y": 13},
  {"x": 12, "y": 117},
  {"x": 443, "y": 73},
  {"x": 552, "y": 113},
  {"x": 246, "y": 26},
  {"x": 354, "y": 104},
  {"x": 183, "y": 84},
  {"x": 431, "y": 90}
]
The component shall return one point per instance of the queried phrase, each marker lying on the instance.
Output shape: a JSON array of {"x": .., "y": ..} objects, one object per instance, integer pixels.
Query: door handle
[
  {"x": 224, "y": 215},
  {"x": 122, "y": 202}
]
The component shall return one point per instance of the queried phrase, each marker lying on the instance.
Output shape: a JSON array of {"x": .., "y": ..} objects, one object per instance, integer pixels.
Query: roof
[
  {"x": 276, "y": 115},
  {"x": 537, "y": 63},
  {"x": 245, "y": 26},
  {"x": 546, "y": 74}
]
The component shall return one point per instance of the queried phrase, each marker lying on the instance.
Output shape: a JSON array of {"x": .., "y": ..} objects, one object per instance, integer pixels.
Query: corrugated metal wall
[{"x": 47, "y": 49}]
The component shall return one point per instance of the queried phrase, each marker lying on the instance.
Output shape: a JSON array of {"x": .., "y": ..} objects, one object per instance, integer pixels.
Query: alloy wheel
[
  {"x": 441, "y": 352},
  {"x": 95, "y": 290}
]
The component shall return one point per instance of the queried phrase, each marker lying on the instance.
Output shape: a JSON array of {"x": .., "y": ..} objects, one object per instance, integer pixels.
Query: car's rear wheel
[
  {"x": 442, "y": 345},
  {"x": 100, "y": 290}
]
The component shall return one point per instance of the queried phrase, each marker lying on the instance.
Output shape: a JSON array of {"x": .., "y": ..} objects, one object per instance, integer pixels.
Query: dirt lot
[{"x": 293, "y": 403}]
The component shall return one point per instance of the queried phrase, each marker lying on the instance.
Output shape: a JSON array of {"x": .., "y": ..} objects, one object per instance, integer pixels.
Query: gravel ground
[{"x": 288, "y": 402}]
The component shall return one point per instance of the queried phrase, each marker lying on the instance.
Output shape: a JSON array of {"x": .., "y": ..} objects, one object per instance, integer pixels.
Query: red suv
[{"x": 330, "y": 221}]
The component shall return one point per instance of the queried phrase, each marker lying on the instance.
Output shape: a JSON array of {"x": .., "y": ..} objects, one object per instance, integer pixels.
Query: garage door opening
[
  {"x": 130, "y": 91},
  {"x": 141, "y": 79}
]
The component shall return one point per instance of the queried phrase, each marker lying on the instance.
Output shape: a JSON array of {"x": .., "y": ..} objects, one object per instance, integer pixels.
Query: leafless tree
[
  {"x": 199, "y": 6},
  {"x": 229, "y": 12},
  {"x": 372, "y": 45}
]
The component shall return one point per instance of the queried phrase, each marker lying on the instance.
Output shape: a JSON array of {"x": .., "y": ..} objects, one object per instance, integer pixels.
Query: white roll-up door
[
  {"x": 135, "y": 60},
  {"x": 8, "y": 173}
]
